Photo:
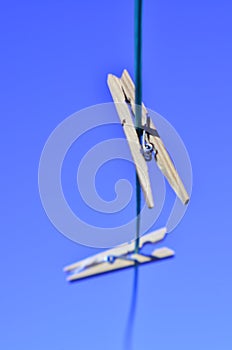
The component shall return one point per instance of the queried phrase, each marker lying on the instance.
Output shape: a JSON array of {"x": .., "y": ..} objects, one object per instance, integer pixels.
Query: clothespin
[
  {"x": 119, "y": 258},
  {"x": 123, "y": 92}
]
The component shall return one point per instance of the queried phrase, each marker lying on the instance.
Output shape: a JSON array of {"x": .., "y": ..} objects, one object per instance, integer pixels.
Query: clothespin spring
[{"x": 147, "y": 147}]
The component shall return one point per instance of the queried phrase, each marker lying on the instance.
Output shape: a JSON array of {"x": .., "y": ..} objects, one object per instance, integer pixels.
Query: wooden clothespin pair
[{"x": 123, "y": 92}]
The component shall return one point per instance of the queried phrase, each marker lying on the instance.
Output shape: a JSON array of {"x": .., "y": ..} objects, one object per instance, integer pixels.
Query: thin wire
[
  {"x": 131, "y": 316},
  {"x": 138, "y": 118},
  {"x": 138, "y": 102}
]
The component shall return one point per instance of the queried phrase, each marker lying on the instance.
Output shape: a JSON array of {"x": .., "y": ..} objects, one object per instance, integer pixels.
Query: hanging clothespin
[
  {"x": 123, "y": 92},
  {"x": 118, "y": 258},
  {"x": 120, "y": 100}
]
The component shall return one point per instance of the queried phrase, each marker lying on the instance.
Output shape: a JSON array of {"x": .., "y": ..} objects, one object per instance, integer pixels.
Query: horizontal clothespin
[{"x": 118, "y": 258}]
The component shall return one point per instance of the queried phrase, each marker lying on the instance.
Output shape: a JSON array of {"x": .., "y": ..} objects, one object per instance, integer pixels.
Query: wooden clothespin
[
  {"x": 119, "y": 258},
  {"x": 123, "y": 92}
]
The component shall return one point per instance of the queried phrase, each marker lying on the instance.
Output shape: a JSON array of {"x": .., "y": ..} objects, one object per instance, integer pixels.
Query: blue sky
[{"x": 54, "y": 61}]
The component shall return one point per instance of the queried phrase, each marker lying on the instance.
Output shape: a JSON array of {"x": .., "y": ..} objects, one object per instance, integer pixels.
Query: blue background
[{"x": 55, "y": 57}]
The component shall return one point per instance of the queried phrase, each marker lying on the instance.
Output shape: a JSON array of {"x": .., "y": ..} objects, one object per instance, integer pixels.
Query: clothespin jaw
[
  {"x": 126, "y": 86},
  {"x": 120, "y": 257}
]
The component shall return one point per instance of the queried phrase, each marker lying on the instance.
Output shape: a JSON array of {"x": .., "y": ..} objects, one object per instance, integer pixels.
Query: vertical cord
[
  {"x": 138, "y": 102},
  {"x": 138, "y": 118},
  {"x": 131, "y": 317}
]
